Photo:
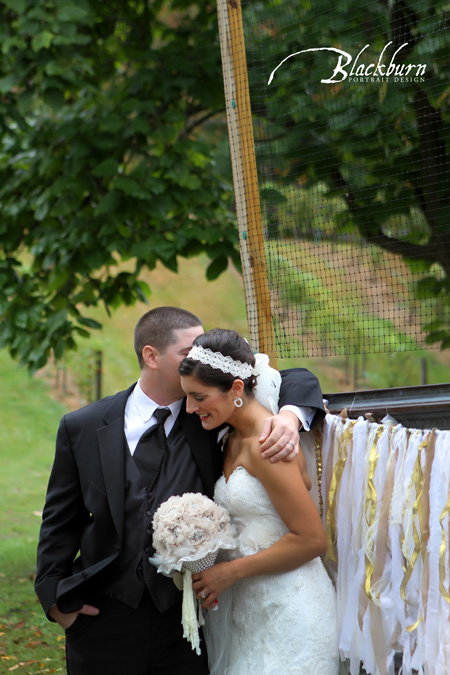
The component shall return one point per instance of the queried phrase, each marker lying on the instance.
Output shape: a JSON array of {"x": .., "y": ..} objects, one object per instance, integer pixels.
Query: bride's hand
[{"x": 210, "y": 583}]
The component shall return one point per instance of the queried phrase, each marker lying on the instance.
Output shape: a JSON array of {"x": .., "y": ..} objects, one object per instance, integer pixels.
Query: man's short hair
[{"x": 157, "y": 328}]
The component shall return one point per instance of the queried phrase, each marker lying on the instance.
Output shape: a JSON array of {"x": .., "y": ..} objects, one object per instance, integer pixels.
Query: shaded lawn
[{"x": 28, "y": 421}]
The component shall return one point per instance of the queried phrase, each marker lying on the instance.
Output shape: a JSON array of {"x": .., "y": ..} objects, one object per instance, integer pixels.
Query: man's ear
[
  {"x": 149, "y": 355},
  {"x": 237, "y": 388}
]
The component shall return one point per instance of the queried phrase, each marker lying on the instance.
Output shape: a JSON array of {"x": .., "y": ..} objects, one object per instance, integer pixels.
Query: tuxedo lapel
[
  {"x": 112, "y": 445},
  {"x": 111, "y": 442}
]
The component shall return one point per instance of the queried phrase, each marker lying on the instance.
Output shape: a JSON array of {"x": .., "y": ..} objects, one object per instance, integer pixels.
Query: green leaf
[
  {"x": 54, "y": 98},
  {"x": 216, "y": 268},
  {"x": 21, "y": 318},
  {"x": 426, "y": 288},
  {"x": 273, "y": 195},
  {"x": 113, "y": 123},
  {"x": 58, "y": 279},
  {"x": 10, "y": 43},
  {"x": 367, "y": 124},
  {"x": 108, "y": 203},
  {"x": 58, "y": 349},
  {"x": 436, "y": 336},
  {"x": 109, "y": 167},
  {"x": 343, "y": 120},
  {"x": 429, "y": 44},
  {"x": 81, "y": 331},
  {"x": 7, "y": 83},
  {"x": 24, "y": 101},
  {"x": 56, "y": 321},
  {"x": 130, "y": 187},
  {"x": 90, "y": 323},
  {"x": 41, "y": 210},
  {"x": 432, "y": 326},
  {"x": 143, "y": 291},
  {"x": 42, "y": 41},
  {"x": 419, "y": 5},
  {"x": 68, "y": 12},
  {"x": 445, "y": 343},
  {"x": 18, "y": 6}
]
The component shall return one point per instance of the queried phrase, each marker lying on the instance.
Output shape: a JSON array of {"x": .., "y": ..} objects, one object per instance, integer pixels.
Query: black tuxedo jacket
[{"x": 84, "y": 509}]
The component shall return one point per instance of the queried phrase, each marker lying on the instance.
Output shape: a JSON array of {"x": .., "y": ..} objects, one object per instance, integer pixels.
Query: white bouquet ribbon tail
[{"x": 189, "y": 616}]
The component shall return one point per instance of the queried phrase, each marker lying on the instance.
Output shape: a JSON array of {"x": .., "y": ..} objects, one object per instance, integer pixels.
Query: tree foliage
[
  {"x": 101, "y": 159},
  {"x": 382, "y": 145}
]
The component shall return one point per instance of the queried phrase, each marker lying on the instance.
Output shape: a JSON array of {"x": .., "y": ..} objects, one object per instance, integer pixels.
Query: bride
[{"x": 277, "y": 609}]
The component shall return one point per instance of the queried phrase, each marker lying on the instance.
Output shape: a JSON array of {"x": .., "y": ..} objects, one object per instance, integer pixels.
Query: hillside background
[{"x": 221, "y": 303}]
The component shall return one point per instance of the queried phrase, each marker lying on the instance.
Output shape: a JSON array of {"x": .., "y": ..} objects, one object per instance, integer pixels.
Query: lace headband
[{"x": 224, "y": 363}]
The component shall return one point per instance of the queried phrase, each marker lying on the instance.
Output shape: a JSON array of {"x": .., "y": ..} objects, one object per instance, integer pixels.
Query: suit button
[
  {"x": 148, "y": 549},
  {"x": 149, "y": 531},
  {"x": 84, "y": 575},
  {"x": 149, "y": 494},
  {"x": 117, "y": 547},
  {"x": 148, "y": 514}
]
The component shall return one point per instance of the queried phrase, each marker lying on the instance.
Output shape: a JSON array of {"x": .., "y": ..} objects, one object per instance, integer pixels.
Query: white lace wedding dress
[{"x": 277, "y": 624}]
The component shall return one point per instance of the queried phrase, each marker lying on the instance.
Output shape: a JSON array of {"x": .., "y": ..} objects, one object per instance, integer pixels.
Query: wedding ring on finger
[
  {"x": 203, "y": 595},
  {"x": 291, "y": 444}
]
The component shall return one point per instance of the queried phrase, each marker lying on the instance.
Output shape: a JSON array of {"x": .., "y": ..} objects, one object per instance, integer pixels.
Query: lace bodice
[{"x": 251, "y": 510}]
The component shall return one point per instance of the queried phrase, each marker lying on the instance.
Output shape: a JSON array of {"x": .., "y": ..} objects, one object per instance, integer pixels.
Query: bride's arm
[{"x": 305, "y": 540}]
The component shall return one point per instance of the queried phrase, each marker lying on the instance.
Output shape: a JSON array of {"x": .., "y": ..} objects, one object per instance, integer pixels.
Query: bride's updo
[{"x": 227, "y": 343}]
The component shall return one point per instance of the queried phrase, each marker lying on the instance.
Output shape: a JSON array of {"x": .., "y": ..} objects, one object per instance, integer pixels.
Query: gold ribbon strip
[
  {"x": 425, "y": 526},
  {"x": 370, "y": 508},
  {"x": 442, "y": 549},
  {"x": 345, "y": 439},
  {"x": 318, "y": 452},
  {"x": 418, "y": 480}
]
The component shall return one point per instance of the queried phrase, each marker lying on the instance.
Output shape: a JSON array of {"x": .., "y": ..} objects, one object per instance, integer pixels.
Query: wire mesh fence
[{"x": 344, "y": 217}]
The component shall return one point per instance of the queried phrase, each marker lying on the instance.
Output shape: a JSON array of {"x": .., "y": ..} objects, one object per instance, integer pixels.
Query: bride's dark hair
[{"x": 228, "y": 343}]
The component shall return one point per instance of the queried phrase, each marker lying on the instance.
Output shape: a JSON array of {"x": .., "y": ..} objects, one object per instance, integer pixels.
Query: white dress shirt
[{"x": 139, "y": 416}]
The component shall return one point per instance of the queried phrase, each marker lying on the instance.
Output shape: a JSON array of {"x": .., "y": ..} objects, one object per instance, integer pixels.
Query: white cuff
[{"x": 304, "y": 414}]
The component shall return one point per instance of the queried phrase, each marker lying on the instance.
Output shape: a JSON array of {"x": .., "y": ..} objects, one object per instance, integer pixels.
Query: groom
[{"x": 93, "y": 575}]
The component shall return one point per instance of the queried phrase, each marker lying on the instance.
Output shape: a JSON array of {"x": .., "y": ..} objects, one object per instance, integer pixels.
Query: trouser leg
[{"x": 123, "y": 641}]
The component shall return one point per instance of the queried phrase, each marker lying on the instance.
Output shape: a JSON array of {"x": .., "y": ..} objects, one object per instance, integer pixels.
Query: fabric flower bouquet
[{"x": 188, "y": 532}]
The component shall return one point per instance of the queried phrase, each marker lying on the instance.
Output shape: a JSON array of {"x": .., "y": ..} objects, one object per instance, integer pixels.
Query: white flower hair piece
[
  {"x": 267, "y": 390},
  {"x": 224, "y": 363}
]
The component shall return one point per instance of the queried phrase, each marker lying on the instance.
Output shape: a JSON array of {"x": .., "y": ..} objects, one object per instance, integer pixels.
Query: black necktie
[{"x": 150, "y": 449}]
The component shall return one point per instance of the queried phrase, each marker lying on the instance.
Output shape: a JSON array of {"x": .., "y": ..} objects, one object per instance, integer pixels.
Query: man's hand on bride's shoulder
[{"x": 279, "y": 437}]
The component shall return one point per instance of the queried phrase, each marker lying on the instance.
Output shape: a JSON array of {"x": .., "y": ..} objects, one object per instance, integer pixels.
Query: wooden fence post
[{"x": 245, "y": 178}]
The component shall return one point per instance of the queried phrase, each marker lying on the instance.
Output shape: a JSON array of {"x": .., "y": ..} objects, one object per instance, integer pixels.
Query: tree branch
[
  {"x": 199, "y": 121},
  {"x": 435, "y": 251}
]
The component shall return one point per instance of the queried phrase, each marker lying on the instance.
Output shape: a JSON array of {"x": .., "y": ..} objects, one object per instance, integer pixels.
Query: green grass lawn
[{"x": 28, "y": 420}]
